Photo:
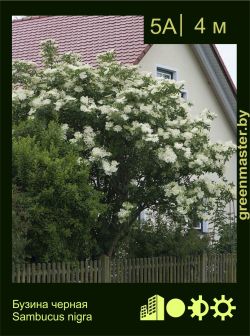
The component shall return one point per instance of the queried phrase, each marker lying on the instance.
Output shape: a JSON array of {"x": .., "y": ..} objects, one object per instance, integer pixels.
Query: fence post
[
  {"x": 203, "y": 267},
  {"x": 105, "y": 273}
]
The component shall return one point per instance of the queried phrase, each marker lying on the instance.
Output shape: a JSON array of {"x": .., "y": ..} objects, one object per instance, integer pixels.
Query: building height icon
[{"x": 154, "y": 310}]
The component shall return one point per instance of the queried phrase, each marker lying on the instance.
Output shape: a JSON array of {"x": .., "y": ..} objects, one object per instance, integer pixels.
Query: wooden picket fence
[{"x": 212, "y": 268}]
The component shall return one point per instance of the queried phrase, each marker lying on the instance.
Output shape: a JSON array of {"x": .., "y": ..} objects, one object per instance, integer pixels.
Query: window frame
[
  {"x": 201, "y": 226},
  {"x": 168, "y": 69},
  {"x": 185, "y": 94},
  {"x": 174, "y": 73}
]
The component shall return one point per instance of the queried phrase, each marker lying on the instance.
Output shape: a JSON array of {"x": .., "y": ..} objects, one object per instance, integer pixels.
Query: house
[{"x": 207, "y": 82}]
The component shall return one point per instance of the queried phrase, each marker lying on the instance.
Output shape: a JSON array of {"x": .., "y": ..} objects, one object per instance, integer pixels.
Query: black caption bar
[{"x": 180, "y": 25}]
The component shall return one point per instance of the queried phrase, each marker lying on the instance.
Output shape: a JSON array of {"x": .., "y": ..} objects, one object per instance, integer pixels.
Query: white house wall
[{"x": 181, "y": 58}]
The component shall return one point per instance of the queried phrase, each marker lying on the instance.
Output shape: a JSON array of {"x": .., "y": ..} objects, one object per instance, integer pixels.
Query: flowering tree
[{"x": 135, "y": 134}]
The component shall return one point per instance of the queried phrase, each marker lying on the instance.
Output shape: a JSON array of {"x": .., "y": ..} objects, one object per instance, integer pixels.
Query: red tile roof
[{"x": 87, "y": 35}]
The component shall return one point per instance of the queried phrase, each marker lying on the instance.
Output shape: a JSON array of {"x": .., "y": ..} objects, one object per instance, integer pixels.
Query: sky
[{"x": 228, "y": 53}]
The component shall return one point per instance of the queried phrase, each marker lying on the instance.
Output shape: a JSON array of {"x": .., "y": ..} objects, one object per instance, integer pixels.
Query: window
[
  {"x": 184, "y": 94},
  {"x": 143, "y": 216},
  {"x": 197, "y": 226},
  {"x": 164, "y": 73},
  {"x": 202, "y": 227}
]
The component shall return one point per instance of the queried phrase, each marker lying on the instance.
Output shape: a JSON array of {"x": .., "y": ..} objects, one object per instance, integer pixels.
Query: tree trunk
[
  {"x": 120, "y": 234},
  {"x": 113, "y": 244}
]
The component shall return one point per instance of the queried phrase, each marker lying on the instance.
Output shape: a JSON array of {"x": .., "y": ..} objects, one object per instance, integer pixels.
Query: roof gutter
[
  {"x": 224, "y": 69},
  {"x": 225, "y": 92}
]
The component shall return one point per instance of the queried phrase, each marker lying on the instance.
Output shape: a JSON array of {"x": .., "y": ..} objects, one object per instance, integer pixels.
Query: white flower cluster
[
  {"x": 185, "y": 197},
  {"x": 151, "y": 138},
  {"x": 89, "y": 136},
  {"x": 135, "y": 92},
  {"x": 79, "y": 160},
  {"x": 120, "y": 100},
  {"x": 201, "y": 193},
  {"x": 98, "y": 153},
  {"x": 200, "y": 160},
  {"x": 177, "y": 122},
  {"x": 21, "y": 94},
  {"x": 83, "y": 75},
  {"x": 167, "y": 154},
  {"x": 134, "y": 183},
  {"x": 174, "y": 132},
  {"x": 125, "y": 211},
  {"x": 206, "y": 117},
  {"x": 50, "y": 71},
  {"x": 40, "y": 101},
  {"x": 179, "y": 84},
  {"x": 224, "y": 147},
  {"x": 110, "y": 126},
  {"x": 113, "y": 112},
  {"x": 178, "y": 145},
  {"x": 147, "y": 109},
  {"x": 109, "y": 167},
  {"x": 107, "y": 110},
  {"x": 216, "y": 188},
  {"x": 58, "y": 98},
  {"x": 31, "y": 113},
  {"x": 147, "y": 131},
  {"x": 138, "y": 82},
  {"x": 187, "y": 136},
  {"x": 78, "y": 88},
  {"x": 70, "y": 67},
  {"x": 64, "y": 129},
  {"x": 162, "y": 133},
  {"x": 87, "y": 104},
  {"x": 117, "y": 128},
  {"x": 144, "y": 127},
  {"x": 173, "y": 188},
  {"x": 77, "y": 136}
]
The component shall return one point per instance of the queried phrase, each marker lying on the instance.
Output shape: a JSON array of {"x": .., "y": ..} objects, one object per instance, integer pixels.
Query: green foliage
[
  {"x": 225, "y": 226},
  {"x": 152, "y": 240},
  {"x": 227, "y": 242},
  {"x": 63, "y": 207},
  {"x": 20, "y": 225},
  {"x": 49, "y": 52},
  {"x": 23, "y": 71}
]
